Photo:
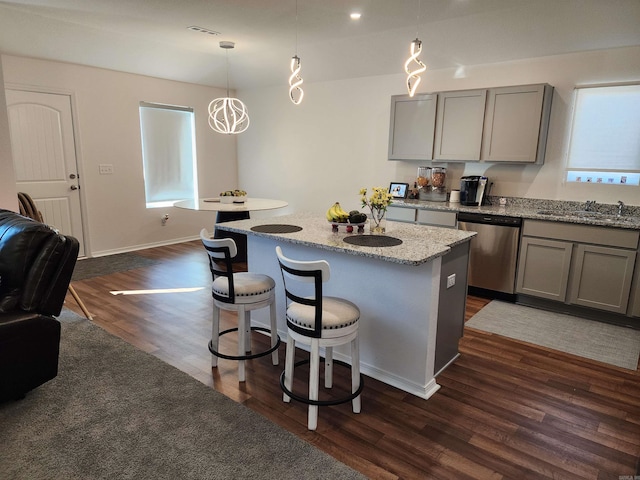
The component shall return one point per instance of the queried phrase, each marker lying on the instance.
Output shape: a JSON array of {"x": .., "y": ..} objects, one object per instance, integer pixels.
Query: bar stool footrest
[
  {"x": 244, "y": 357},
  {"x": 321, "y": 403}
]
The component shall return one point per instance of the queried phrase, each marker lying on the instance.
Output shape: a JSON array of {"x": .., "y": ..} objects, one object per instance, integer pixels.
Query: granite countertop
[
  {"x": 420, "y": 243},
  {"x": 536, "y": 209}
]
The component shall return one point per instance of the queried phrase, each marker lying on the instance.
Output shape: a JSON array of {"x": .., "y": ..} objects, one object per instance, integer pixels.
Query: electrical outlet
[
  {"x": 105, "y": 169},
  {"x": 451, "y": 280}
]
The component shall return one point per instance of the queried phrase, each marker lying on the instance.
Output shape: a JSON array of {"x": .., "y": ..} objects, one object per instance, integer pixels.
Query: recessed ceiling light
[
  {"x": 194, "y": 28},
  {"x": 355, "y": 16}
]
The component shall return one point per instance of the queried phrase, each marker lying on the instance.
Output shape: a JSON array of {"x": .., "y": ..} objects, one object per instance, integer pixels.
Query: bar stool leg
[
  {"x": 274, "y": 332},
  {"x": 355, "y": 374},
  {"x": 247, "y": 330},
  {"x": 288, "y": 367},
  {"x": 328, "y": 367},
  {"x": 314, "y": 381},
  {"x": 242, "y": 343},
  {"x": 215, "y": 335}
]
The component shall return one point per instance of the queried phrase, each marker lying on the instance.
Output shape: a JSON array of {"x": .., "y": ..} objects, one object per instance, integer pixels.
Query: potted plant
[{"x": 378, "y": 202}]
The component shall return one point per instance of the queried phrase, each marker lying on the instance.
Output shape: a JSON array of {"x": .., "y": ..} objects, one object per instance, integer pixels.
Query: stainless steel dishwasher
[{"x": 494, "y": 251}]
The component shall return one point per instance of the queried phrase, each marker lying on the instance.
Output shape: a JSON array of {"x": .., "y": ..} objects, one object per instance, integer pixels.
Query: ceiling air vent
[{"x": 194, "y": 28}]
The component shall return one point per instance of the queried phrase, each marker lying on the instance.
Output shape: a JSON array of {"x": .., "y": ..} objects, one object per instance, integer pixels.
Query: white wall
[
  {"x": 8, "y": 193},
  {"x": 106, "y": 109},
  {"x": 335, "y": 142},
  {"x": 311, "y": 155}
]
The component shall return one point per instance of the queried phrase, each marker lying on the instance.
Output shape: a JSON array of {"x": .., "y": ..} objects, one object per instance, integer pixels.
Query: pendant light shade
[
  {"x": 296, "y": 94},
  {"x": 413, "y": 76},
  {"x": 228, "y": 115},
  {"x": 414, "y": 62}
]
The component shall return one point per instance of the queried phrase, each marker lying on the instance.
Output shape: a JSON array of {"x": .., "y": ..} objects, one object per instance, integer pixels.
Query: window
[
  {"x": 168, "y": 154},
  {"x": 605, "y": 136}
]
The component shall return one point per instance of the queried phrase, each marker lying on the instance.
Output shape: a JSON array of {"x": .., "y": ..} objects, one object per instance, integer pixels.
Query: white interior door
[{"x": 44, "y": 157}]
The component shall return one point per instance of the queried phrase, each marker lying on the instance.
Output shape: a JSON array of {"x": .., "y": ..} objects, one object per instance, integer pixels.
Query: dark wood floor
[{"x": 505, "y": 409}]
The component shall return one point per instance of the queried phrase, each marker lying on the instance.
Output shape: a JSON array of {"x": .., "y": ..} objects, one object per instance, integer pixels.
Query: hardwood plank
[{"x": 506, "y": 409}]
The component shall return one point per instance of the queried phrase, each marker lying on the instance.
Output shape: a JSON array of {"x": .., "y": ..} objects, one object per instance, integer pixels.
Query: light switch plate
[{"x": 105, "y": 169}]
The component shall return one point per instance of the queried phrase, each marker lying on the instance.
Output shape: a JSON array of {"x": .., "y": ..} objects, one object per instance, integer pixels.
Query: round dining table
[
  {"x": 215, "y": 205},
  {"x": 227, "y": 212}
]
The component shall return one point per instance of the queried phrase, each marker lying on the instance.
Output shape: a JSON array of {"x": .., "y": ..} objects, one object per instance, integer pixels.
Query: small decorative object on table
[
  {"x": 233, "y": 196},
  {"x": 378, "y": 202},
  {"x": 337, "y": 216}
]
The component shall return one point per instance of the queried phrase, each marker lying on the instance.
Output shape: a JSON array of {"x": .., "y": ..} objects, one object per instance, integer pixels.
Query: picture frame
[{"x": 399, "y": 190}]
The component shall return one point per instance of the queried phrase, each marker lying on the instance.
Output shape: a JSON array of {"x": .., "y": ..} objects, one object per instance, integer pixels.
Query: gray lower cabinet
[
  {"x": 601, "y": 278},
  {"x": 401, "y": 214},
  {"x": 557, "y": 263},
  {"x": 438, "y": 218},
  {"x": 543, "y": 268}
]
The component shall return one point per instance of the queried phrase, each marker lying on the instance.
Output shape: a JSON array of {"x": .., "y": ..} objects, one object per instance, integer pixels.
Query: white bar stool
[
  {"x": 317, "y": 321},
  {"x": 240, "y": 292}
]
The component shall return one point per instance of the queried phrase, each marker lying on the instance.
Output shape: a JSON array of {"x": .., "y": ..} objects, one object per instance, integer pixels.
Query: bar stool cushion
[
  {"x": 249, "y": 287},
  {"x": 336, "y": 313}
]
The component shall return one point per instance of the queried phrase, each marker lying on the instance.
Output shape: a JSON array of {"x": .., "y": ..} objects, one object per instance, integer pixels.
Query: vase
[{"x": 378, "y": 223}]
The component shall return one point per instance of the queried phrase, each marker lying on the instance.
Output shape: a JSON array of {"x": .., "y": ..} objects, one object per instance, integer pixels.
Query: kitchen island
[{"x": 410, "y": 321}]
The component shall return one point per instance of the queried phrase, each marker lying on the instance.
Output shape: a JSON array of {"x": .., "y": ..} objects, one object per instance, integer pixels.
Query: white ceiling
[{"x": 150, "y": 37}]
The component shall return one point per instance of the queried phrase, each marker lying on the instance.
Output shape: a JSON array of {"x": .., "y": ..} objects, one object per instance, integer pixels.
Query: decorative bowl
[{"x": 349, "y": 226}]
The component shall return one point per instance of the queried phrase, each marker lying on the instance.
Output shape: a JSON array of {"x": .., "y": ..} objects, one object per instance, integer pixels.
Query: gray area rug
[
  {"x": 619, "y": 346},
  {"x": 115, "y": 412},
  {"x": 98, "y": 266}
]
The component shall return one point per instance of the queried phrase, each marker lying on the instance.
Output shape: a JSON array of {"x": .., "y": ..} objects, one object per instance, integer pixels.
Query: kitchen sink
[
  {"x": 587, "y": 213},
  {"x": 549, "y": 212},
  {"x": 594, "y": 215}
]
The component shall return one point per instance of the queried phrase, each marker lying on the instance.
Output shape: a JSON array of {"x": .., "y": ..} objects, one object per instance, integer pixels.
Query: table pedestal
[{"x": 239, "y": 238}]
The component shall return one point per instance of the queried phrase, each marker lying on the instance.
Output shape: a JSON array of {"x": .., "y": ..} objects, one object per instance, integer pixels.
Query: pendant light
[
  {"x": 228, "y": 115},
  {"x": 413, "y": 76},
  {"x": 296, "y": 94}
]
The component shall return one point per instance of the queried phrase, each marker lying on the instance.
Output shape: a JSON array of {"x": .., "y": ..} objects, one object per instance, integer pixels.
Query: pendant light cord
[
  {"x": 226, "y": 54},
  {"x": 296, "y": 28}
]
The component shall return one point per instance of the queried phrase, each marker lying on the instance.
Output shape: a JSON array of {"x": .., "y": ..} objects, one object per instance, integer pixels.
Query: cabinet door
[
  {"x": 543, "y": 268},
  {"x": 459, "y": 125},
  {"x": 601, "y": 278},
  {"x": 401, "y": 214},
  {"x": 437, "y": 218},
  {"x": 412, "y": 126},
  {"x": 516, "y": 121}
]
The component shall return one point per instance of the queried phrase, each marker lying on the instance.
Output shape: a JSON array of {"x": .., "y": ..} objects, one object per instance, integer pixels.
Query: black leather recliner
[{"x": 36, "y": 264}]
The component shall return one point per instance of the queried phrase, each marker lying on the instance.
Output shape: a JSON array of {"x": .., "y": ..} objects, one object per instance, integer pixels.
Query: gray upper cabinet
[
  {"x": 459, "y": 124},
  {"x": 412, "y": 126},
  {"x": 516, "y": 124},
  {"x": 503, "y": 124}
]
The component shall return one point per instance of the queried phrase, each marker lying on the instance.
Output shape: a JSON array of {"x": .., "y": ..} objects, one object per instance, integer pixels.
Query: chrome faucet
[
  {"x": 620, "y": 208},
  {"x": 589, "y": 205}
]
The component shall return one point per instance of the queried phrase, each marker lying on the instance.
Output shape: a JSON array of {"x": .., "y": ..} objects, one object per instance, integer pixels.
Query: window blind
[{"x": 168, "y": 153}]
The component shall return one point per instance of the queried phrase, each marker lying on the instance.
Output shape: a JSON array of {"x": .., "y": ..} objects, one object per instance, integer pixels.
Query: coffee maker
[{"x": 472, "y": 189}]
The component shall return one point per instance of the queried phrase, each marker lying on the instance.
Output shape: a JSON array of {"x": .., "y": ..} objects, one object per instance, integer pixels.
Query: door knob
[
  {"x": 72, "y": 176},
  {"x": 75, "y": 187}
]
